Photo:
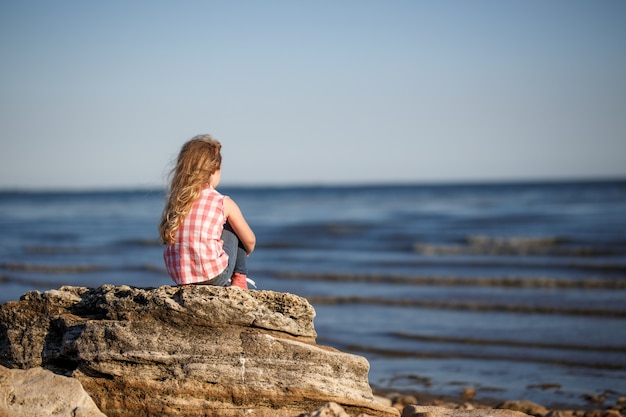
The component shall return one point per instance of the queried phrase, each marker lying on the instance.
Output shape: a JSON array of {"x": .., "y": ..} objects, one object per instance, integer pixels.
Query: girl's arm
[{"x": 239, "y": 224}]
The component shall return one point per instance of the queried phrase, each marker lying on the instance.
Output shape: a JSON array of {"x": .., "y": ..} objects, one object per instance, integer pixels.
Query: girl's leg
[
  {"x": 241, "y": 265},
  {"x": 239, "y": 278},
  {"x": 240, "y": 268},
  {"x": 237, "y": 254},
  {"x": 237, "y": 266}
]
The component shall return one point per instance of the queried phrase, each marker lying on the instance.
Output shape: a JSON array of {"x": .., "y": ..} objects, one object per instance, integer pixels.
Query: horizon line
[{"x": 321, "y": 184}]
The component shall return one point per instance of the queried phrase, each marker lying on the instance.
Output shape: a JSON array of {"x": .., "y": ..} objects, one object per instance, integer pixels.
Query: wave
[
  {"x": 52, "y": 269},
  {"x": 138, "y": 242},
  {"x": 53, "y": 250},
  {"x": 72, "y": 250},
  {"x": 519, "y": 246},
  {"x": 466, "y": 306},
  {"x": 518, "y": 263},
  {"x": 507, "y": 343},
  {"x": 413, "y": 354},
  {"x": 513, "y": 282},
  {"x": 30, "y": 282},
  {"x": 76, "y": 269}
]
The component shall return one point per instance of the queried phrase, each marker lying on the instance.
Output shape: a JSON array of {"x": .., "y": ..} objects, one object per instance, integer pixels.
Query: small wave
[
  {"x": 63, "y": 250},
  {"x": 51, "y": 269},
  {"x": 52, "y": 250},
  {"x": 280, "y": 245},
  {"x": 146, "y": 268},
  {"x": 513, "y": 282},
  {"x": 521, "y": 246},
  {"x": 515, "y": 241},
  {"x": 465, "y": 306},
  {"x": 519, "y": 263},
  {"x": 139, "y": 243},
  {"x": 508, "y": 343},
  {"x": 401, "y": 353},
  {"x": 78, "y": 269},
  {"x": 72, "y": 250},
  {"x": 30, "y": 282},
  {"x": 344, "y": 228}
]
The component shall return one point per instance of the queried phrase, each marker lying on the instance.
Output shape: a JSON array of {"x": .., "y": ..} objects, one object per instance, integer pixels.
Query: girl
[{"x": 207, "y": 237}]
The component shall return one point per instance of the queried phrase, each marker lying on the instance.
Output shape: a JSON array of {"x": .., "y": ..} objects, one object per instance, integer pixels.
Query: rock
[
  {"x": 407, "y": 400},
  {"x": 561, "y": 413},
  {"x": 399, "y": 401},
  {"x": 596, "y": 399},
  {"x": 468, "y": 393},
  {"x": 331, "y": 410},
  {"x": 383, "y": 400},
  {"x": 527, "y": 407},
  {"x": 189, "y": 350},
  {"x": 38, "y": 393},
  {"x": 328, "y": 410},
  {"x": 433, "y": 411},
  {"x": 611, "y": 413},
  {"x": 594, "y": 413}
]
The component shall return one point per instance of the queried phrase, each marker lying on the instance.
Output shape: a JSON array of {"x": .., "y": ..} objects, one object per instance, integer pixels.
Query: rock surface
[
  {"x": 328, "y": 410},
  {"x": 527, "y": 407},
  {"x": 191, "y": 350},
  {"x": 40, "y": 393},
  {"x": 433, "y": 411}
]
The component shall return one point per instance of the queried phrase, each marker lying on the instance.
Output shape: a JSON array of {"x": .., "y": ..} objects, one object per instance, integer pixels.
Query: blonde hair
[{"x": 198, "y": 159}]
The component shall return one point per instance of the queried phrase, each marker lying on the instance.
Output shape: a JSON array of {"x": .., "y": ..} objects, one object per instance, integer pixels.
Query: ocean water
[{"x": 518, "y": 290}]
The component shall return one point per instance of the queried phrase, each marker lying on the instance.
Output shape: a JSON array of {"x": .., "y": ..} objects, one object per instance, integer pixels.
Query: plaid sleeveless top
[{"x": 198, "y": 254}]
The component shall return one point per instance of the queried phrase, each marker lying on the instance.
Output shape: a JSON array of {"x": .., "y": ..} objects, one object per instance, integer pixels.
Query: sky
[{"x": 102, "y": 94}]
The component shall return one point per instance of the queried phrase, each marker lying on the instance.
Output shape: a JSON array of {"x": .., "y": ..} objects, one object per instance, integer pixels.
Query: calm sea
[{"x": 518, "y": 290}]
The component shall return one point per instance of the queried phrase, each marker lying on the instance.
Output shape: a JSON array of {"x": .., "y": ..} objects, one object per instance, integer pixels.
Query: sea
[{"x": 517, "y": 290}]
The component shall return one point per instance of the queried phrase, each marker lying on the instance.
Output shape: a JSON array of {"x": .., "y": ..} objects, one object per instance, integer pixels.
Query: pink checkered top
[{"x": 198, "y": 254}]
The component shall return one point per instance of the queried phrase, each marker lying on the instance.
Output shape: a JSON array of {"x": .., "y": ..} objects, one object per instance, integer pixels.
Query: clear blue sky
[{"x": 104, "y": 93}]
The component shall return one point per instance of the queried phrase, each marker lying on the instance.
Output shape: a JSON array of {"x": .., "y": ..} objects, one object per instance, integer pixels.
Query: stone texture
[
  {"x": 433, "y": 411},
  {"x": 328, "y": 410},
  {"x": 39, "y": 393},
  {"x": 527, "y": 407},
  {"x": 191, "y": 350}
]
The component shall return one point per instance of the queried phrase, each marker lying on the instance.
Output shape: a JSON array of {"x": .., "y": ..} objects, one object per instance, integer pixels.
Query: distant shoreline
[{"x": 470, "y": 183}]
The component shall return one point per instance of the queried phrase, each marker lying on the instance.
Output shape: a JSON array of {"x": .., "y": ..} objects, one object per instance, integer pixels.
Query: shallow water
[{"x": 508, "y": 288}]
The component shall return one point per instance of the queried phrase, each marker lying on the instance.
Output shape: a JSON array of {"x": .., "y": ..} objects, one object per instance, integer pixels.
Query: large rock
[
  {"x": 191, "y": 350},
  {"x": 37, "y": 392}
]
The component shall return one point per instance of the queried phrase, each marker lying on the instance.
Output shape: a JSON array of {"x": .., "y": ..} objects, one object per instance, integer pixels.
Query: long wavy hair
[{"x": 198, "y": 159}]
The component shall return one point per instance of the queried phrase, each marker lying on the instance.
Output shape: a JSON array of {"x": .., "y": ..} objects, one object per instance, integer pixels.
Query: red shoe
[{"x": 239, "y": 280}]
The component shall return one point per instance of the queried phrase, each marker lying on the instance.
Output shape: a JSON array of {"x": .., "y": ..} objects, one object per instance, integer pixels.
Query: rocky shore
[
  {"x": 457, "y": 405},
  {"x": 198, "y": 351}
]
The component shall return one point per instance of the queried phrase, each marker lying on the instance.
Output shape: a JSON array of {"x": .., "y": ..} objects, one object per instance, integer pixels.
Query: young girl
[{"x": 207, "y": 237}]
